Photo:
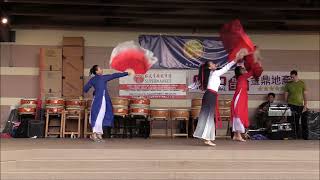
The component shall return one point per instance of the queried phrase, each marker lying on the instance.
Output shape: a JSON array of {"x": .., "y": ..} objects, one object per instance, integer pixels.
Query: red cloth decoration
[
  {"x": 257, "y": 70},
  {"x": 131, "y": 59},
  {"x": 250, "y": 65},
  {"x": 248, "y": 61},
  {"x": 234, "y": 38}
]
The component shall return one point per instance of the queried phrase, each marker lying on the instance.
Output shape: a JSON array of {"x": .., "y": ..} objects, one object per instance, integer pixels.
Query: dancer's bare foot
[
  {"x": 235, "y": 136},
  {"x": 210, "y": 143},
  {"x": 94, "y": 137},
  {"x": 239, "y": 139},
  {"x": 99, "y": 136}
]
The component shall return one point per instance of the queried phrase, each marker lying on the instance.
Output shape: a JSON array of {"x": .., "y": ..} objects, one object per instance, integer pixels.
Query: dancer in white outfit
[{"x": 209, "y": 78}]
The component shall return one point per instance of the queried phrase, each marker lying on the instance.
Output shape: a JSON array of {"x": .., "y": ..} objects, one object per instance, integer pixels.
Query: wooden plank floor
[{"x": 35, "y": 159}]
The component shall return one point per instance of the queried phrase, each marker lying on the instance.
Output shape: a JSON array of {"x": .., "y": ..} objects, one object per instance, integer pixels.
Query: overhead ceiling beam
[
  {"x": 226, "y": 5},
  {"x": 95, "y": 11},
  {"x": 152, "y": 21},
  {"x": 126, "y": 26},
  {"x": 155, "y": 16}
]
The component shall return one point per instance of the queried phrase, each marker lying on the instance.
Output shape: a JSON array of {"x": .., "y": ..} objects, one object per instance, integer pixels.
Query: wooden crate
[{"x": 72, "y": 76}]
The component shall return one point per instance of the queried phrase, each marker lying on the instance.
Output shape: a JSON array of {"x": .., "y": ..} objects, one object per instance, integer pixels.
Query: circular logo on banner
[
  {"x": 139, "y": 78},
  {"x": 193, "y": 49}
]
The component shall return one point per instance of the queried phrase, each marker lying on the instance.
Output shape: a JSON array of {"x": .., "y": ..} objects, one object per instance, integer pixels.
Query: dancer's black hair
[
  {"x": 203, "y": 75},
  {"x": 237, "y": 71},
  {"x": 93, "y": 70}
]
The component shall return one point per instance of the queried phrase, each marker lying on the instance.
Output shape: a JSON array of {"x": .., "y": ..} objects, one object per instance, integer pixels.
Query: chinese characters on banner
[
  {"x": 157, "y": 84},
  {"x": 270, "y": 81}
]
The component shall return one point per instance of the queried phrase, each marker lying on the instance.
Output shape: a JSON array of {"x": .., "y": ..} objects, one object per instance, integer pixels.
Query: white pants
[
  {"x": 208, "y": 133},
  {"x": 206, "y": 125},
  {"x": 237, "y": 125},
  {"x": 98, "y": 127}
]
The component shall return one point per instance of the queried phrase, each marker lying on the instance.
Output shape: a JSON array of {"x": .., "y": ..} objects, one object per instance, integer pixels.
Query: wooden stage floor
[{"x": 158, "y": 158}]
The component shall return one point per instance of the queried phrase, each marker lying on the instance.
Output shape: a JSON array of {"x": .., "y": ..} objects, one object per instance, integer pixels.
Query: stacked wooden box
[
  {"x": 50, "y": 72},
  {"x": 50, "y": 65},
  {"x": 72, "y": 73},
  {"x": 73, "y": 66}
]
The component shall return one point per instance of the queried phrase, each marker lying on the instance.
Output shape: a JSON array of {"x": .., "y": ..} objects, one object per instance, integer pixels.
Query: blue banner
[{"x": 184, "y": 52}]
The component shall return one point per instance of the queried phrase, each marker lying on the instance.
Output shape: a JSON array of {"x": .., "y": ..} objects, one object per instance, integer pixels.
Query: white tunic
[{"x": 214, "y": 78}]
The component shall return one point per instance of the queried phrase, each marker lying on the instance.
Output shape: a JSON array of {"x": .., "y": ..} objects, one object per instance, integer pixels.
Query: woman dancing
[
  {"x": 101, "y": 108},
  {"x": 239, "y": 104},
  {"x": 209, "y": 78}
]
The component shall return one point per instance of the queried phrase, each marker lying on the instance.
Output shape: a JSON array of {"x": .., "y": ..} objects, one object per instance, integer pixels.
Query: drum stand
[
  {"x": 48, "y": 132},
  {"x": 225, "y": 115},
  {"x": 119, "y": 123},
  {"x": 193, "y": 125},
  {"x": 180, "y": 134},
  {"x": 67, "y": 117},
  {"x": 86, "y": 130},
  {"x": 132, "y": 124},
  {"x": 159, "y": 119}
]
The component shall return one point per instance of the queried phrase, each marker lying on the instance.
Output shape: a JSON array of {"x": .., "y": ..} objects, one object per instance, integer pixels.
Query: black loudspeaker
[
  {"x": 12, "y": 36},
  {"x": 6, "y": 35},
  {"x": 36, "y": 128},
  {"x": 310, "y": 121}
]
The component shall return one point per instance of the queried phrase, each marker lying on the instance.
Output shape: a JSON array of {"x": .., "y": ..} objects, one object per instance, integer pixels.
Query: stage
[{"x": 158, "y": 158}]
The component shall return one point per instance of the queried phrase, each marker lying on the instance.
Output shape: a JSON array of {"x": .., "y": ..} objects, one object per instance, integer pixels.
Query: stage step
[
  {"x": 151, "y": 165},
  {"x": 149, "y": 160},
  {"x": 155, "y": 164}
]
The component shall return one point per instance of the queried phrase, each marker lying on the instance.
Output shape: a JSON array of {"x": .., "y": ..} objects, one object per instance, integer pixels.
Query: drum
[
  {"x": 196, "y": 102},
  {"x": 227, "y": 102},
  {"x": 195, "y": 111},
  {"x": 119, "y": 110},
  {"x": 28, "y": 101},
  {"x": 140, "y": 100},
  {"x": 160, "y": 113},
  {"x": 225, "y": 112},
  {"x": 55, "y": 101},
  {"x": 224, "y": 103},
  {"x": 139, "y": 110},
  {"x": 75, "y": 103},
  {"x": 27, "y": 109},
  {"x": 54, "y": 109},
  {"x": 73, "y": 111},
  {"x": 120, "y": 101},
  {"x": 180, "y": 114}
]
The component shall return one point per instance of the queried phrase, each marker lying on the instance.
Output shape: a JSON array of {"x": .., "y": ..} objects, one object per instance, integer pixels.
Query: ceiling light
[{"x": 4, "y": 20}]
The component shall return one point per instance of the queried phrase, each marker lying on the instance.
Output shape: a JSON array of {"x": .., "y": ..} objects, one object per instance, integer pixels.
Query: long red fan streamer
[{"x": 234, "y": 38}]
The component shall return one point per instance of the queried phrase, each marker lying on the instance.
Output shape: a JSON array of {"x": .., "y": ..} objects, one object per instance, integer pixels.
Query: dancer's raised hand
[
  {"x": 241, "y": 53},
  {"x": 130, "y": 72}
]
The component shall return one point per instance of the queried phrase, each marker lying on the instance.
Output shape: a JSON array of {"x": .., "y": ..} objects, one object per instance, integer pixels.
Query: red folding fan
[{"x": 128, "y": 55}]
